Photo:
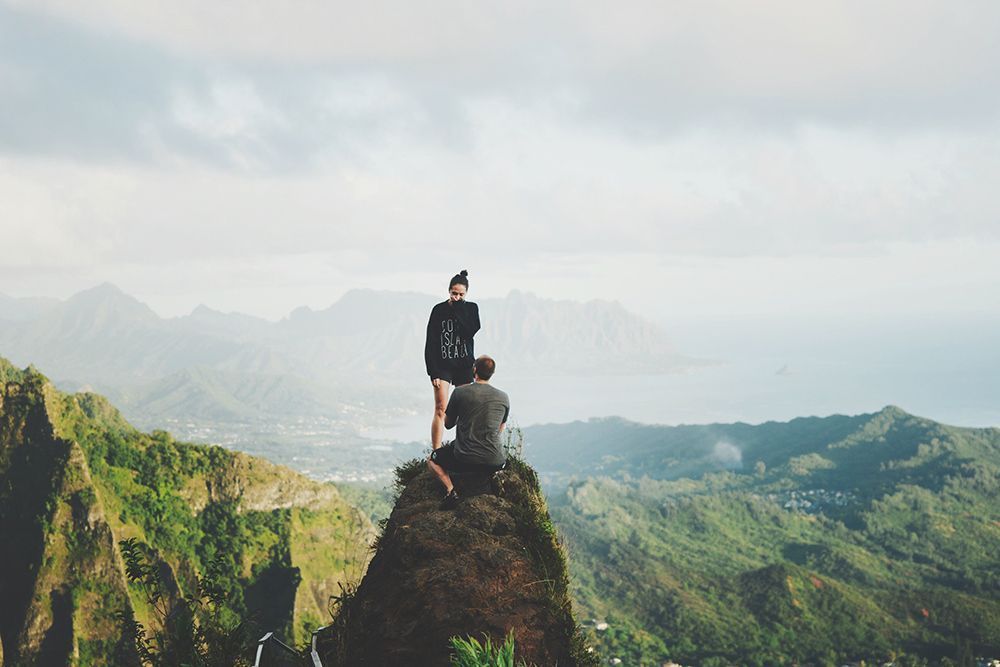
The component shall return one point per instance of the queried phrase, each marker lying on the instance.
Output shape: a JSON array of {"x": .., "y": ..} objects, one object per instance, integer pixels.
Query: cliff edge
[
  {"x": 492, "y": 565},
  {"x": 76, "y": 480}
]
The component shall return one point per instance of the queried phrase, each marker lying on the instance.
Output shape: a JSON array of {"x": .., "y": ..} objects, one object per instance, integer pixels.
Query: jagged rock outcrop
[
  {"x": 62, "y": 580},
  {"x": 76, "y": 479},
  {"x": 492, "y": 565}
]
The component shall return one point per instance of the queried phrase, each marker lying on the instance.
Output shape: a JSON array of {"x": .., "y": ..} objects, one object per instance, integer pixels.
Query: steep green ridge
[
  {"x": 772, "y": 566},
  {"x": 75, "y": 479}
]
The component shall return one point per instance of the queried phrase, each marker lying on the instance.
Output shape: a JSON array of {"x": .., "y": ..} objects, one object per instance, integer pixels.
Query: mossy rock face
[{"x": 492, "y": 565}]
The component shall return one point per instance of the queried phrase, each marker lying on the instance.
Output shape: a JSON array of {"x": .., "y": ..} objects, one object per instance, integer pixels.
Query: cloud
[
  {"x": 72, "y": 91},
  {"x": 727, "y": 454},
  {"x": 527, "y": 186},
  {"x": 731, "y": 145},
  {"x": 641, "y": 66},
  {"x": 145, "y": 80}
]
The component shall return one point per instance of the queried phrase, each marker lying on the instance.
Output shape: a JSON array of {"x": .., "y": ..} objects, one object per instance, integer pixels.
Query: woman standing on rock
[{"x": 449, "y": 352}]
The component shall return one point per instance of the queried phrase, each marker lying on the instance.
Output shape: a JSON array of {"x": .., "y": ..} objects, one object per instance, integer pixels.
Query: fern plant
[{"x": 470, "y": 653}]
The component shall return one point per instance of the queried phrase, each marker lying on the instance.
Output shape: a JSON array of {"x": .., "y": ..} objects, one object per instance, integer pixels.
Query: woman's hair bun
[{"x": 463, "y": 272}]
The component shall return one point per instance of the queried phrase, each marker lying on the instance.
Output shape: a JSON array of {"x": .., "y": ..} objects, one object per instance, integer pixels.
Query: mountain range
[{"x": 229, "y": 366}]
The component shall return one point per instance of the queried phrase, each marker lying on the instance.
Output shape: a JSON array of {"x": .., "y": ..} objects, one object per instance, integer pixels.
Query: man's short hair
[{"x": 485, "y": 367}]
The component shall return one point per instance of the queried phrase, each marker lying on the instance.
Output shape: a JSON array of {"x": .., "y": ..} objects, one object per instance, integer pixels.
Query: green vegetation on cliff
[{"x": 75, "y": 479}]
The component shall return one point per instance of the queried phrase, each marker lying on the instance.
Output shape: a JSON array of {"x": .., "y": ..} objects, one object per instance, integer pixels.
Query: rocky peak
[
  {"x": 96, "y": 311},
  {"x": 491, "y": 566}
]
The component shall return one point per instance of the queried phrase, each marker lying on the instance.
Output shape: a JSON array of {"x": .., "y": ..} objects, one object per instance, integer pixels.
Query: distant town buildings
[{"x": 812, "y": 501}]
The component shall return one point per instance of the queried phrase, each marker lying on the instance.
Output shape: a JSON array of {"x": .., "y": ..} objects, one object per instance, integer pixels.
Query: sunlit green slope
[
  {"x": 75, "y": 479},
  {"x": 885, "y": 540}
]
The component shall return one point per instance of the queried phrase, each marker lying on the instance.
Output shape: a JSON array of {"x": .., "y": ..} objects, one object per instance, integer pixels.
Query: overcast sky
[{"x": 688, "y": 159}]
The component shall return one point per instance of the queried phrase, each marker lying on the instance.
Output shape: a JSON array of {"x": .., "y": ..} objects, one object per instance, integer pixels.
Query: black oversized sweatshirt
[{"x": 449, "y": 336}]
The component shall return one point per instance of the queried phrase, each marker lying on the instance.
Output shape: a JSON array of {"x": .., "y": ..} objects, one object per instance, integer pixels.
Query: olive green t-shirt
[{"x": 477, "y": 410}]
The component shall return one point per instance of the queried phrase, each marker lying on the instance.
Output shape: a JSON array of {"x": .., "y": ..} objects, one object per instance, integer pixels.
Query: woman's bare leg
[
  {"x": 440, "y": 405},
  {"x": 442, "y": 475}
]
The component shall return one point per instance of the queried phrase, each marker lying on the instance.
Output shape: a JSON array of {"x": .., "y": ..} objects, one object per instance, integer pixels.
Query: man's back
[{"x": 478, "y": 409}]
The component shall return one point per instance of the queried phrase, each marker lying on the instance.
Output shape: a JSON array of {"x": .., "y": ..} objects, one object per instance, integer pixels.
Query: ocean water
[{"x": 949, "y": 372}]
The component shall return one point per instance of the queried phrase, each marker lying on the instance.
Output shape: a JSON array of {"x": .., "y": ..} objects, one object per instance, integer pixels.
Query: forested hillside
[
  {"x": 883, "y": 541},
  {"x": 76, "y": 480}
]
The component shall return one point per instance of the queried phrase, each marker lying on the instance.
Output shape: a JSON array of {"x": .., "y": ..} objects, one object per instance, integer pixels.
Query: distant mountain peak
[
  {"x": 301, "y": 311},
  {"x": 109, "y": 295},
  {"x": 890, "y": 414},
  {"x": 96, "y": 314},
  {"x": 202, "y": 309},
  {"x": 105, "y": 289}
]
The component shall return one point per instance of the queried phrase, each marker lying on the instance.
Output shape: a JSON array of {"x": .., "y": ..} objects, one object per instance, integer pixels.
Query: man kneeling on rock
[{"x": 480, "y": 411}]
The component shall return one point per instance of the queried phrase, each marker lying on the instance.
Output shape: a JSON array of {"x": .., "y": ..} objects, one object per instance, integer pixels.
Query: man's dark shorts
[
  {"x": 457, "y": 377},
  {"x": 445, "y": 457}
]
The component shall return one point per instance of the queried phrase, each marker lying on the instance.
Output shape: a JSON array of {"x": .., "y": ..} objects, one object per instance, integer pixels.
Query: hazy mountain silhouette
[
  {"x": 107, "y": 338},
  {"x": 15, "y": 310}
]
